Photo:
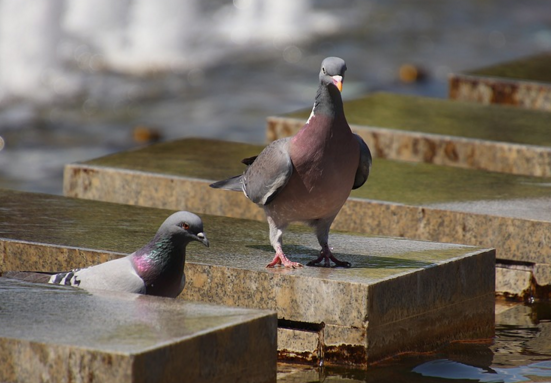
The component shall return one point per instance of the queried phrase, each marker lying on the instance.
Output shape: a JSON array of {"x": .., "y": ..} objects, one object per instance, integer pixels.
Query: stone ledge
[
  {"x": 392, "y": 280},
  {"x": 58, "y": 333},
  {"x": 412, "y": 200},
  {"x": 524, "y": 83},
  {"x": 443, "y": 132}
]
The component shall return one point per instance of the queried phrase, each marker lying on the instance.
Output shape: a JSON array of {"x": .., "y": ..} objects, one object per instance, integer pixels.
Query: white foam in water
[
  {"x": 101, "y": 23},
  {"x": 159, "y": 35},
  {"x": 29, "y": 34},
  {"x": 42, "y": 40},
  {"x": 275, "y": 21}
]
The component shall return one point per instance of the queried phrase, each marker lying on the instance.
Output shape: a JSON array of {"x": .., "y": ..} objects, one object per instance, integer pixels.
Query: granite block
[
  {"x": 524, "y": 83},
  {"x": 64, "y": 334},
  {"x": 392, "y": 279},
  {"x": 414, "y": 200},
  {"x": 515, "y": 239},
  {"x": 443, "y": 132},
  {"x": 542, "y": 274},
  {"x": 474, "y": 316},
  {"x": 513, "y": 283},
  {"x": 299, "y": 346},
  {"x": 406, "y": 296},
  {"x": 151, "y": 189}
]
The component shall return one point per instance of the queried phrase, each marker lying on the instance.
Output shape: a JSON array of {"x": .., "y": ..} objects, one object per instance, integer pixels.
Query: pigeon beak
[
  {"x": 201, "y": 237},
  {"x": 337, "y": 80}
]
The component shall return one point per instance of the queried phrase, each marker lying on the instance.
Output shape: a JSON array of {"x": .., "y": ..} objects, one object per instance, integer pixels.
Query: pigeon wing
[
  {"x": 116, "y": 275},
  {"x": 269, "y": 172},
  {"x": 362, "y": 173}
]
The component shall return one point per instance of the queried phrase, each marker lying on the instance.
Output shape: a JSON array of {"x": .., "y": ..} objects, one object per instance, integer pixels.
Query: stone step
[
  {"x": 443, "y": 132},
  {"x": 399, "y": 295},
  {"x": 413, "y": 200},
  {"x": 525, "y": 82},
  {"x": 59, "y": 334}
]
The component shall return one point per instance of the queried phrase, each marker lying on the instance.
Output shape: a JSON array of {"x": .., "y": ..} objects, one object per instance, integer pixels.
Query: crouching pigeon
[
  {"x": 309, "y": 176},
  {"x": 155, "y": 269}
]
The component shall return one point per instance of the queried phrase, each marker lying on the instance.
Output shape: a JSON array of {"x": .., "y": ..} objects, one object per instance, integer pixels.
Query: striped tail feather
[{"x": 68, "y": 278}]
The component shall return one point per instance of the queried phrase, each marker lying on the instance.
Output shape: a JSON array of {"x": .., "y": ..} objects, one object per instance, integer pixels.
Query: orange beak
[{"x": 337, "y": 80}]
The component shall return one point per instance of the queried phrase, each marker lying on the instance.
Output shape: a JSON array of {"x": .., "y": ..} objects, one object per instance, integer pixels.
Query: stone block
[
  {"x": 354, "y": 312},
  {"x": 525, "y": 83},
  {"x": 513, "y": 282},
  {"x": 63, "y": 334},
  {"x": 443, "y": 132},
  {"x": 414, "y": 200}
]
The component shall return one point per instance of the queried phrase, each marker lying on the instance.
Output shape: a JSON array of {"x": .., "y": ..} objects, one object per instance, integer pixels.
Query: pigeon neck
[
  {"x": 328, "y": 102},
  {"x": 160, "y": 255}
]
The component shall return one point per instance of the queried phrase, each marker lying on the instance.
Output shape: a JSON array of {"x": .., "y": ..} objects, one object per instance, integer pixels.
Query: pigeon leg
[
  {"x": 326, "y": 255},
  {"x": 276, "y": 238},
  {"x": 322, "y": 232},
  {"x": 281, "y": 259}
]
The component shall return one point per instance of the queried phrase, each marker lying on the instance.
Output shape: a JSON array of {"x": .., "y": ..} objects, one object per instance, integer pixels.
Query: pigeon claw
[
  {"x": 325, "y": 257},
  {"x": 281, "y": 259}
]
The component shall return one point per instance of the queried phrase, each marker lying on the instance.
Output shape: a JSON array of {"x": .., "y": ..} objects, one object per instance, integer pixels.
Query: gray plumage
[
  {"x": 155, "y": 269},
  {"x": 309, "y": 176}
]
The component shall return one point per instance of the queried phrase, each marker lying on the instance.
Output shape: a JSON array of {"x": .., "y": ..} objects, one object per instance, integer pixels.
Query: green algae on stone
[
  {"x": 393, "y": 181},
  {"x": 103, "y": 226},
  {"x": 43, "y": 218},
  {"x": 534, "y": 68},
  {"x": 422, "y": 184},
  {"x": 195, "y": 158}
]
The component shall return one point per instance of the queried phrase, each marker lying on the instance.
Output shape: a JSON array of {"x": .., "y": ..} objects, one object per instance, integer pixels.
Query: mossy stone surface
[
  {"x": 122, "y": 229},
  {"x": 534, "y": 68},
  {"x": 393, "y": 181}
]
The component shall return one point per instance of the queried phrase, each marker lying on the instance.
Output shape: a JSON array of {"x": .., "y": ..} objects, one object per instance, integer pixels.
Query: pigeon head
[
  {"x": 184, "y": 226},
  {"x": 332, "y": 72}
]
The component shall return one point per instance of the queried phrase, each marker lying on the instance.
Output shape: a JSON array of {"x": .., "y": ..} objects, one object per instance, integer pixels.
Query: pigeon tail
[{"x": 234, "y": 183}]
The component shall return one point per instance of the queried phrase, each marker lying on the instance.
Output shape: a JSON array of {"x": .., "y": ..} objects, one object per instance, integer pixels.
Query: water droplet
[
  {"x": 292, "y": 54},
  {"x": 90, "y": 107}
]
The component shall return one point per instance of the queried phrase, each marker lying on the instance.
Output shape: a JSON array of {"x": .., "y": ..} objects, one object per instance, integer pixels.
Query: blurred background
[{"x": 81, "y": 79}]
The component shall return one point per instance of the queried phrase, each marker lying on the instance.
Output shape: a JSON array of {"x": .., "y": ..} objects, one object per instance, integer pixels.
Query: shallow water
[{"x": 519, "y": 352}]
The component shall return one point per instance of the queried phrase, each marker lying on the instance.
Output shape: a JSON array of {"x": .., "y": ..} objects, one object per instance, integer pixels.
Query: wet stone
[
  {"x": 524, "y": 83},
  {"x": 378, "y": 307},
  {"x": 443, "y": 132},
  {"x": 429, "y": 202},
  {"x": 58, "y": 333}
]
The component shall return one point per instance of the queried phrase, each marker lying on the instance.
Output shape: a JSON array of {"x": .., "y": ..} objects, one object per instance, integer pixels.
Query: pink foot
[
  {"x": 281, "y": 259},
  {"x": 325, "y": 256}
]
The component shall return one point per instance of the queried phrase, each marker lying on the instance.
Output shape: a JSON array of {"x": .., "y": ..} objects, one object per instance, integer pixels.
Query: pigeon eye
[
  {"x": 323, "y": 70},
  {"x": 184, "y": 226}
]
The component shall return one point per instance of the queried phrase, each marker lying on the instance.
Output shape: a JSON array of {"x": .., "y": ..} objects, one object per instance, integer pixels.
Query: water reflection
[
  {"x": 520, "y": 352},
  {"x": 447, "y": 369}
]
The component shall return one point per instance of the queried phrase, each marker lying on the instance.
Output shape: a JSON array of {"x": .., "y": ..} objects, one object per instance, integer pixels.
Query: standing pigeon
[
  {"x": 309, "y": 176},
  {"x": 155, "y": 269}
]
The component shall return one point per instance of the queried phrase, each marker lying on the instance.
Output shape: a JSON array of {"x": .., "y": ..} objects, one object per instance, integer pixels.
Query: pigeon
[
  {"x": 155, "y": 269},
  {"x": 308, "y": 177}
]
